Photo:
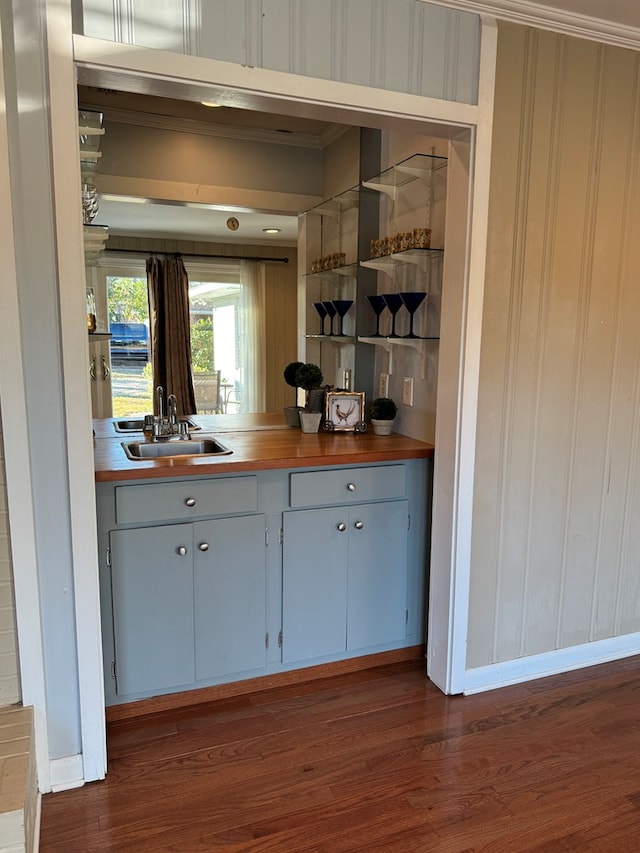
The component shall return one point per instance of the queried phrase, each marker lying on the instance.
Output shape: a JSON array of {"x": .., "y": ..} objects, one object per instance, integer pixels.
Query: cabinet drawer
[
  {"x": 186, "y": 499},
  {"x": 348, "y": 485}
]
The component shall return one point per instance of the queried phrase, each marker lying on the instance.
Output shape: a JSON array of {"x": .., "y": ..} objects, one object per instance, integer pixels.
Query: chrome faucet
[
  {"x": 159, "y": 398},
  {"x": 169, "y": 427},
  {"x": 172, "y": 412}
]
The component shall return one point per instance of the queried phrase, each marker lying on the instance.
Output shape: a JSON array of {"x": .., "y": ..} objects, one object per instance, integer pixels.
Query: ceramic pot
[
  {"x": 381, "y": 427},
  {"x": 310, "y": 421},
  {"x": 292, "y": 415}
]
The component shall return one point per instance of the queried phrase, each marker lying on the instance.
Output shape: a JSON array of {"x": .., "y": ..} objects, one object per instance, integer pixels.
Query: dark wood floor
[{"x": 373, "y": 761}]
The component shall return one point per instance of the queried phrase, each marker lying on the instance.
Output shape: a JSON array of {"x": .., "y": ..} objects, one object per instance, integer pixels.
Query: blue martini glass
[
  {"x": 342, "y": 306},
  {"x": 412, "y": 300},
  {"x": 394, "y": 304},
  {"x": 378, "y": 305},
  {"x": 331, "y": 313},
  {"x": 322, "y": 313}
]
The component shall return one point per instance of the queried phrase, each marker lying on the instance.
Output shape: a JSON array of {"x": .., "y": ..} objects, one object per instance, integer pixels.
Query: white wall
[
  {"x": 557, "y": 496},
  {"x": 399, "y": 45},
  {"x": 9, "y": 665}
]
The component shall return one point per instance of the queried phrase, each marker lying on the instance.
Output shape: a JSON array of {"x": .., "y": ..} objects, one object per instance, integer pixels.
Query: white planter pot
[
  {"x": 381, "y": 427},
  {"x": 310, "y": 421}
]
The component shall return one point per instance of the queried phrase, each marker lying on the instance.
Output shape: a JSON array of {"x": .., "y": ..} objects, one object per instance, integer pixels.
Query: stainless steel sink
[
  {"x": 138, "y": 450},
  {"x": 137, "y": 424}
]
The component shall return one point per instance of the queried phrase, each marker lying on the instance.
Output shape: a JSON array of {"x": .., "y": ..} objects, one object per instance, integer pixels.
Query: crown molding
[
  {"x": 225, "y": 131},
  {"x": 555, "y": 19}
]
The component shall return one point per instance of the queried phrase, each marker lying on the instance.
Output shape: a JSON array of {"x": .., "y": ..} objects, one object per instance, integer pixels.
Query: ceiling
[{"x": 191, "y": 221}]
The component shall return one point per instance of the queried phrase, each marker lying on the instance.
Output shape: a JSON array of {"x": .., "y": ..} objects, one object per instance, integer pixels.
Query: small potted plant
[
  {"x": 383, "y": 411},
  {"x": 292, "y": 413},
  {"x": 309, "y": 377}
]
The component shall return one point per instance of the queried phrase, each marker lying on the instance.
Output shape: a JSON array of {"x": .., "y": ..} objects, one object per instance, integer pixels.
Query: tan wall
[
  {"x": 9, "y": 666},
  {"x": 556, "y": 537},
  {"x": 280, "y": 301}
]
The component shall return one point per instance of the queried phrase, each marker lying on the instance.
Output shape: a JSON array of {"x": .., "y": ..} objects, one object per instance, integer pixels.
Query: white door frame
[{"x": 122, "y": 66}]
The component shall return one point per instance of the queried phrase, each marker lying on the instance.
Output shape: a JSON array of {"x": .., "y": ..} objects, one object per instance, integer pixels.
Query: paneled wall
[
  {"x": 556, "y": 539},
  {"x": 9, "y": 672},
  {"x": 400, "y": 45}
]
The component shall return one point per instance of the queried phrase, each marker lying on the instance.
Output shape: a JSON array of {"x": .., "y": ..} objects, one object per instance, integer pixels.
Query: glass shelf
[
  {"x": 418, "y": 344},
  {"x": 335, "y": 273},
  {"x": 99, "y": 335},
  {"x": 333, "y": 207},
  {"x": 419, "y": 167},
  {"x": 387, "y": 263},
  {"x": 335, "y": 339}
]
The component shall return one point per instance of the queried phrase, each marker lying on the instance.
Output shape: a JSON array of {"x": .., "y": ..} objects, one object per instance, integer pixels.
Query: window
[{"x": 218, "y": 333}]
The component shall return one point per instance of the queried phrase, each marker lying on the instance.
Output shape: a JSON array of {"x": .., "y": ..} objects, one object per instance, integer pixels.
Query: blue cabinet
[
  {"x": 188, "y": 602},
  {"x": 345, "y": 567},
  {"x": 152, "y": 588},
  {"x": 194, "y": 592}
]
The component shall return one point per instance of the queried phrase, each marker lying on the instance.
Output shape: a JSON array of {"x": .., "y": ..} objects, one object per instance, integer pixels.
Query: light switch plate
[
  {"x": 407, "y": 391},
  {"x": 383, "y": 385}
]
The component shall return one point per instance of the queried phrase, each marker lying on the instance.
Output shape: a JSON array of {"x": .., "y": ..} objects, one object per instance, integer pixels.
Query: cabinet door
[
  {"x": 100, "y": 378},
  {"x": 377, "y": 594},
  {"x": 152, "y": 585},
  {"x": 314, "y": 607},
  {"x": 230, "y": 595}
]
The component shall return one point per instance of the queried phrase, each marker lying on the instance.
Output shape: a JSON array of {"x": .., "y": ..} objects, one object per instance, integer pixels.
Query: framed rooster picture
[{"x": 344, "y": 411}]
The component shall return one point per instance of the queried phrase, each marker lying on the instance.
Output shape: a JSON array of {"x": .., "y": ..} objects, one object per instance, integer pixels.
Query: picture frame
[{"x": 344, "y": 411}]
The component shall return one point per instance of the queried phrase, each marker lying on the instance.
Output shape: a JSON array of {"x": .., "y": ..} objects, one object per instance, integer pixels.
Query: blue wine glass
[
  {"x": 331, "y": 313},
  {"x": 394, "y": 304},
  {"x": 342, "y": 306},
  {"x": 322, "y": 312},
  {"x": 412, "y": 300},
  {"x": 378, "y": 305}
]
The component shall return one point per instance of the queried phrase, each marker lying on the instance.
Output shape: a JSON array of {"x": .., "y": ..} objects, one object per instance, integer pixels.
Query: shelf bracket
[{"x": 387, "y": 189}]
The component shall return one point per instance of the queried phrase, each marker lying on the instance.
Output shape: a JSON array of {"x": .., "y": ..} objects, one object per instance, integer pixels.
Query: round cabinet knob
[
  {"x": 182, "y": 550},
  {"x": 351, "y": 487},
  {"x": 341, "y": 527},
  {"x": 359, "y": 525},
  {"x": 190, "y": 501},
  {"x": 203, "y": 546}
]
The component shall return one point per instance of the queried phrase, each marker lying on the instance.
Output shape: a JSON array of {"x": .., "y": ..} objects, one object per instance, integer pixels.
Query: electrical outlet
[
  {"x": 383, "y": 385},
  {"x": 407, "y": 391}
]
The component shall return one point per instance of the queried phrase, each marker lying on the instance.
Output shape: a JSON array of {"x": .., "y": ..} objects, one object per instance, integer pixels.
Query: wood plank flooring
[{"x": 377, "y": 760}]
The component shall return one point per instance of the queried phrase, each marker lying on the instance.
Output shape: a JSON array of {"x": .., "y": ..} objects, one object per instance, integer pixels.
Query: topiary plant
[
  {"x": 309, "y": 377},
  {"x": 290, "y": 372},
  {"x": 383, "y": 409}
]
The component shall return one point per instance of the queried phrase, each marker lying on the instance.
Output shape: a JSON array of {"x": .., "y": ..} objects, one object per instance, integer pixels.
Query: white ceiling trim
[
  {"x": 547, "y": 18},
  {"x": 227, "y": 131}
]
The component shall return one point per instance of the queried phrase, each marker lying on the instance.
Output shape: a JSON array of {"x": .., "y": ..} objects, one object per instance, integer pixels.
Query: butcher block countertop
[{"x": 259, "y": 442}]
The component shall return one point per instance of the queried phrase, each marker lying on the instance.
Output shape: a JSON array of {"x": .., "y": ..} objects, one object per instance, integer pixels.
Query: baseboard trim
[
  {"x": 550, "y": 663},
  {"x": 66, "y": 773},
  {"x": 171, "y": 701}
]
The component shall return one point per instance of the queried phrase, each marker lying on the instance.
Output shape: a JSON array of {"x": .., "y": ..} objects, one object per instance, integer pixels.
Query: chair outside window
[{"x": 207, "y": 391}]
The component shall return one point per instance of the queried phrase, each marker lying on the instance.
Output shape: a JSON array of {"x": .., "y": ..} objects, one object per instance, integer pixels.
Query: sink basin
[
  {"x": 137, "y": 424},
  {"x": 138, "y": 450}
]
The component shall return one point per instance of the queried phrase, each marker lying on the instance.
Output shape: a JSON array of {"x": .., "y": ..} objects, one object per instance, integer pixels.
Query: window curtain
[
  {"x": 168, "y": 288},
  {"x": 252, "y": 307}
]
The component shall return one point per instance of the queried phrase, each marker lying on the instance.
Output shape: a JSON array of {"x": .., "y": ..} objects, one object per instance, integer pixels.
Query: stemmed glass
[
  {"x": 342, "y": 306},
  {"x": 412, "y": 300},
  {"x": 331, "y": 313},
  {"x": 378, "y": 305},
  {"x": 322, "y": 312},
  {"x": 394, "y": 304}
]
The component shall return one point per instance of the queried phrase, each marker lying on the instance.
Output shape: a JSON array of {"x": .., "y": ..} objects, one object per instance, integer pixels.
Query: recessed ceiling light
[
  {"x": 272, "y": 230},
  {"x": 210, "y": 104}
]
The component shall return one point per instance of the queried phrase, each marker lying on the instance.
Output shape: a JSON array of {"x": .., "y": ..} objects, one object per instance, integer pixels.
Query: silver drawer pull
[
  {"x": 190, "y": 502},
  {"x": 204, "y": 546},
  {"x": 182, "y": 550},
  {"x": 351, "y": 487},
  {"x": 341, "y": 527},
  {"x": 359, "y": 525}
]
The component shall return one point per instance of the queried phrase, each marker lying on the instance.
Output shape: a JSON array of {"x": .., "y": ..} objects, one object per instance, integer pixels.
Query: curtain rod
[{"x": 201, "y": 255}]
